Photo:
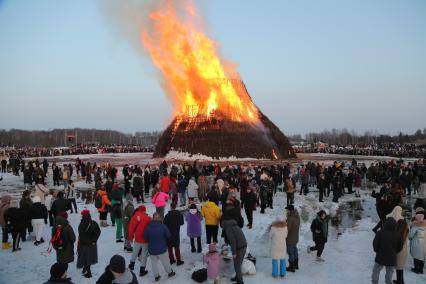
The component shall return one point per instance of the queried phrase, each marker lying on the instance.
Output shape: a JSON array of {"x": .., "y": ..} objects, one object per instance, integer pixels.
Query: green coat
[
  {"x": 65, "y": 255},
  {"x": 127, "y": 215}
]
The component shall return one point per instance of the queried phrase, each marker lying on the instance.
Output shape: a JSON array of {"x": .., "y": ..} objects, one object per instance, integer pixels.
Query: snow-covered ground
[{"x": 349, "y": 256}]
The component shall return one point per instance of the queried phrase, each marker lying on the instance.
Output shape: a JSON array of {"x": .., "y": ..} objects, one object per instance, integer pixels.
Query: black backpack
[{"x": 200, "y": 275}]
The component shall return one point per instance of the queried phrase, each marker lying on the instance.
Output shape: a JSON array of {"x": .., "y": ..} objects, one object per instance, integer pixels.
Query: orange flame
[{"x": 195, "y": 77}]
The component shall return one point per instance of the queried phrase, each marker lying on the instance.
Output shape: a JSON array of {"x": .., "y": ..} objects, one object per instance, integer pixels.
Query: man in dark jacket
[
  {"x": 174, "y": 220},
  {"x": 65, "y": 233},
  {"x": 249, "y": 205},
  {"x": 58, "y": 274},
  {"x": 138, "y": 188},
  {"x": 386, "y": 246},
  {"x": 157, "y": 234},
  {"x": 238, "y": 245},
  {"x": 319, "y": 229},
  {"x": 25, "y": 205},
  {"x": 293, "y": 226},
  {"x": 60, "y": 204}
]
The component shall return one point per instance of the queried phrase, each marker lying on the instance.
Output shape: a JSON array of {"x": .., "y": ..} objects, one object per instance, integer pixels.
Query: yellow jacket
[{"x": 211, "y": 213}]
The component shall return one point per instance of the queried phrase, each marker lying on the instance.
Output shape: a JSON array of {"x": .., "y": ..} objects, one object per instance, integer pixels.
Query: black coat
[
  {"x": 386, "y": 244},
  {"x": 250, "y": 201},
  {"x": 38, "y": 211},
  {"x": 88, "y": 235},
  {"x": 60, "y": 205},
  {"x": 174, "y": 220},
  {"x": 319, "y": 229},
  {"x": 25, "y": 204},
  {"x": 15, "y": 219}
]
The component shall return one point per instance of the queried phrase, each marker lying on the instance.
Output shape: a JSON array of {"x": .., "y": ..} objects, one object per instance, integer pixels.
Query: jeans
[
  {"x": 376, "y": 273},
  {"x": 163, "y": 258},
  {"x": 292, "y": 253},
  {"x": 282, "y": 271},
  {"x": 140, "y": 251},
  {"x": 73, "y": 204}
]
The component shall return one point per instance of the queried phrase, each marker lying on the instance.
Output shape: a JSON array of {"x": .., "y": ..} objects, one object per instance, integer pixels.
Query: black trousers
[
  {"x": 211, "y": 232},
  {"x": 16, "y": 236},
  {"x": 319, "y": 247},
  {"x": 198, "y": 244},
  {"x": 290, "y": 198},
  {"x": 321, "y": 194},
  {"x": 51, "y": 217},
  {"x": 249, "y": 214},
  {"x": 5, "y": 236},
  {"x": 270, "y": 198}
]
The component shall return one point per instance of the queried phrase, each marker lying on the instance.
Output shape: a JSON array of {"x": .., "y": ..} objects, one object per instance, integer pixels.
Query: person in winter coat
[
  {"x": 165, "y": 184},
  {"x": 192, "y": 190},
  {"x": 290, "y": 190},
  {"x": 211, "y": 213},
  {"x": 174, "y": 220},
  {"x": 321, "y": 187},
  {"x": 238, "y": 245},
  {"x": 159, "y": 199},
  {"x": 71, "y": 194},
  {"x": 60, "y": 204},
  {"x": 117, "y": 273},
  {"x": 401, "y": 258},
  {"x": 293, "y": 226},
  {"x": 157, "y": 234},
  {"x": 138, "y": 188},
  {"x": 128, "y": 212},
  {"x": 58, "y": 274},
  {"x": 116, "y": 197},
  {"x": 137, "y": 227},
  {"x": 173, "y": 190},
  {"x": 417, "y": 238},
  {"x": 25, "y": 204},
  {"x": 48, "y": 201},
  {"x": 4, "y": 205},
  {"x": 182, "y": 190},
  {"x": 212, "y": 260},
  {"x": 386, "y": 245},
  {"x": 38, "y": 215},
  {"x": 63, "y": 239},
  {"x": 250, "y": 200},
  {"x": 319, "y": 229},
  {"x": 16, "y": 221},
  {"x": 278, "y": 235},
  {"x": 28, "y": 178},
  {"x": 193, "y": 229},
  {"x": 103, "y": 211},
  {"x": 203, "y": 188},
  {"x": 41, "y": 191},
  {"x": 88, "y": 235}
]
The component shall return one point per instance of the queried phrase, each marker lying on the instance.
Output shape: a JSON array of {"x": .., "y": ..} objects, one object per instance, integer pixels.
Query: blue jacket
[{"x": 157, "y": 234}]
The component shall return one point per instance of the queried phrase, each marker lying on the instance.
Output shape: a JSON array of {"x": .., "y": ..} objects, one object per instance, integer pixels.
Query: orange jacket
[{"x": 105, "y": 200}]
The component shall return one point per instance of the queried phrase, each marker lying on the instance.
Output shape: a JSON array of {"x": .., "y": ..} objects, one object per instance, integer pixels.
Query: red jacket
[
  {"x": 137, "y": 225},
  {"x": 165, "y": 184}
]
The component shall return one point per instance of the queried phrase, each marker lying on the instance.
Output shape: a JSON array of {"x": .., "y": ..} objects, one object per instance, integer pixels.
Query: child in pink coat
[
  {"x": 160, "y": 200},
  {"x": 212, "y": 259}
]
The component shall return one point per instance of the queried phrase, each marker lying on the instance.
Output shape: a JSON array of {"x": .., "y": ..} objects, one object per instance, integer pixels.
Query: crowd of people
[
  {"x": 385, "y": 149},
  {"x": 211, "y": 196},
  {"x": 80, "y": 149}
]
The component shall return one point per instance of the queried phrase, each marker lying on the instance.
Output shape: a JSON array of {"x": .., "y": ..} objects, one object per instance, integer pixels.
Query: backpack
[
  {"x": 98, "y": 201},
  {"x": 58, "y": 242},
  {"x": 200, "y": 275}
]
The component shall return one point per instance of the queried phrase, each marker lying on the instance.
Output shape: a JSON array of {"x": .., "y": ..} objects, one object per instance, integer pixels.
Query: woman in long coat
[
  {"x": 278, "y": 235},
  {"x": 88, "y": 235},
  {"x": 65, "y": 253},
  {"x": 401, "y": 257}
]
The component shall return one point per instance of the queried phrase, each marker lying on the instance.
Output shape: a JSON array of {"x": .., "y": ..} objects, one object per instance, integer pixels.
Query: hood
[
  {"x": 61, "y": 221},
  {"x": 125, "y": 278},
  {"x": 279, "y": 224},
  {"x": 390, "y": 224},
  {"x": 142, "y": 208}
]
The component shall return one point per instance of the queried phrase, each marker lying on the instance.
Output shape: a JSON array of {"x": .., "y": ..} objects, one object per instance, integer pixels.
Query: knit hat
[
  {"x": 36, "y": 199},
  {"x": 212, "y": 247},
  {"x": 58, "y": 270},
  {"x": 85, "y": 212},
  {"x": 420, "y": 210},
  {"x": 142, "y": 208},
  {"x": 117, "y": 264}
]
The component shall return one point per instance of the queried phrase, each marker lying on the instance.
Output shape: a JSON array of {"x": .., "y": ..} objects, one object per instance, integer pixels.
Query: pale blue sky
[{"x": 309, "y": 65}]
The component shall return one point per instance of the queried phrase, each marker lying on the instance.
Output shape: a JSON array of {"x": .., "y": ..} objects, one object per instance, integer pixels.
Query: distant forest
[
  {"x": 346, "y": 137},
  {"x": 68, "y": 137}
]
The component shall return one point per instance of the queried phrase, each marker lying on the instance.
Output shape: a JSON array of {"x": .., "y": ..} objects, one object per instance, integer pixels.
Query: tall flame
[{"x": 195, "y": 77}]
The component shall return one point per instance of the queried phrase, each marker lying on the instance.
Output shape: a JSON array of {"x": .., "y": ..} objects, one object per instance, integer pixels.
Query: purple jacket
[
  {"x": 213, "y": 265},
  {"x": 193, "y": 224}
]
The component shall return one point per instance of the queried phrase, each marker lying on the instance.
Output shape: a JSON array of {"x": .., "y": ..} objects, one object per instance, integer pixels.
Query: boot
[
  {"x": 399, "y": 277},
  {"x": 171, "y": 274},
  {"x": 132, "y": 265},
  {"x": 291, "y": 268},
  {"x": 179, "y": 262},
  {"x": 296, "y": 263},
  {"x": 88, "y": 273},
  {"x": 143, "y": 272}
]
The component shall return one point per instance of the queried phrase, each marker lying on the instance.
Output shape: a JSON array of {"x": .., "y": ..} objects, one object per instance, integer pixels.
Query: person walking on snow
[{"x": 319, "y": 229}]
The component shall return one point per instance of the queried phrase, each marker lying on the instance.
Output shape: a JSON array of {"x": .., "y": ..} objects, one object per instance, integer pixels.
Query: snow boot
[
  {"x": 131, "y": 265},
  {"x": 143, "y": 272},
  {"x": 291, "y": 268}
]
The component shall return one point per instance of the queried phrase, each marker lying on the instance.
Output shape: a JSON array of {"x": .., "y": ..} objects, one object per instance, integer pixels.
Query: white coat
[
  {"x": 278, "y": 235},
  {"x": 417, "y": 238}
]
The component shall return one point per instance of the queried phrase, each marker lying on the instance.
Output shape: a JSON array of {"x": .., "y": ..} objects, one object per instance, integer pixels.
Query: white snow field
[{"x": 349, "y": 257}]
